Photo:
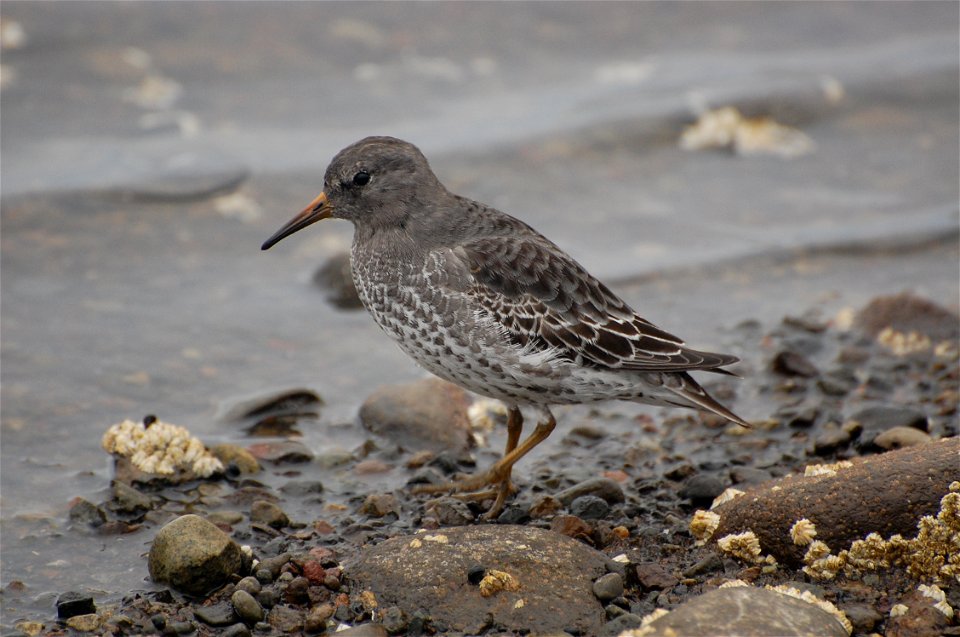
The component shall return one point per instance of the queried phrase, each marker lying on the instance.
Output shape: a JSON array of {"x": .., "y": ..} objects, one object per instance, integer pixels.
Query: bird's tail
[{"x": 693, "y": 395}]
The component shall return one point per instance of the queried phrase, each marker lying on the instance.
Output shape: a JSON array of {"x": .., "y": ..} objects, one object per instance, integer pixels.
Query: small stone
[
  {"x": 282, "y": 452},
  {"x": 297, "y": 591},
  {"x": 249, "y": 584},
  {"x": 589, "y": 507},
  {"x": 513, "y": 514},
  {"x": 220, "y": 614},
  {"x": 394, "y": 620},
  {"x": 285, "y": 619},
  {"x": 247, "y": 608},
  {"x": 790, "y": 363},
  {"x": 236, "y": 630},
  {"x": 830, "y": 438},
  {"x": 702, "y": 488},
  {"x": 181, "y": 628},
  {"x": 749, "y": 475},
  {"x": 545, "y": 506},
  {"x": 85, "y": 512},
  {"x": 267, "y": 598},
  {"x": 314, "y": 572},
  {"x": 608, "y": 587},
  {"x": 126, "y": 499},
  {"x": 363, "y": 630},
  {"x": 622, "y": 623},
  {"x": 605, "y": 488},
  {"x": 225, "y": 519},
  {"x": 268, "y": 513},
  {"x": 653, "y": 576},
  {"x": 239, "y": 459},
  {"x": 863, "y": 616},
  {"x": 681, "y": 471},
  {"x": 73, "y": 603},
  {"x": 899, "y": 437},
  {"x": 316, "y": 619},
  {"x": 274, "y": 565},
  {"x": 302, "y": 488},
  {"x": 571, "y": 526},
  {"x": 84, "y": 623},
  {"x": 379, "y": 504},
  {"x": 450, "y": 511}
]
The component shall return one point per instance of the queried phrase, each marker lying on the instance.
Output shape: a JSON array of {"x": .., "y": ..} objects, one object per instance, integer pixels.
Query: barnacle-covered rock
[{"x": 157, "y": 450}]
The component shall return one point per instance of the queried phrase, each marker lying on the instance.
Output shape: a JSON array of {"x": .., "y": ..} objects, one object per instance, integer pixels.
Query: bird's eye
[{"x": 362, "y": 178}]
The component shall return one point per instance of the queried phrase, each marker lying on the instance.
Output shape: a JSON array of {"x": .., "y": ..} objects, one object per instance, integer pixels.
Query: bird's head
[{"x": 377, "y": 183}]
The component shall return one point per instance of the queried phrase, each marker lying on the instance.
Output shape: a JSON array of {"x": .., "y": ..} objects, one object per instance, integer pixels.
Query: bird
[{"x": 484, "y": 301}]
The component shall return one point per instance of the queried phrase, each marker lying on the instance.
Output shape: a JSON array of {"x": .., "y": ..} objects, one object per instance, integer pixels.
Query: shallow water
[{"x": 130, "y": 285}]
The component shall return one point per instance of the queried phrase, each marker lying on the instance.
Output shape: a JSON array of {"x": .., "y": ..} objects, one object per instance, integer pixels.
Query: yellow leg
[{"x": 499, "y": 474}]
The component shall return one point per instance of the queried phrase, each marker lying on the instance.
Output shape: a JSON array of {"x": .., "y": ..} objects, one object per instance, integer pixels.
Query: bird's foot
[{"x": 474, "y": 489}]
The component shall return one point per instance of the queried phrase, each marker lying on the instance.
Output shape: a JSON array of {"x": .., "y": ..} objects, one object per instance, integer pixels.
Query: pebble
[
  {"x": 297, "y": 591},
  {"x": 702, "y": 488},
  {"x": 335, "y": 278},
  {"x": 181, "y": 627},
  {"x": 302, "y": 488},
  {"x": 220, "y": 614},
  {"x": 622, "y": 623},
  {"x": 608, "y": 586},
  {"x": 84, "y": 623},
  {"x": 394, "y": 620},
  {"x": 514, "y": 514},
  {"x": 545, "y": 506},
  {"x": 863, "y": 616},
  {"x": 749, "y": 475},
  {"x": 710, "y": 563},
  {"x": 900, "y": 436},
  {"x": 236, "y": 630},
  {"x": 589, "y": 507},
  {"x": 247, "y": 608},
  {"x": 273, "y": 565},
  {"x": 316, "y": 619},
  {"x": 790, "y": 363},
  {"x": 225, "y": 518},
  {"x": 282, "y": 452},
  {"x": 450, "y": 511},
  {"x": 249, "y": 584},
  {"x": 239, "y": 459},
  {"x": 379, "y": 504},
  {"x": 605, "y": 488},
  {"x": 126, "y": 499},
  {"x": 363, "y": 630},
  {"x": 876, "y": 420},
  {"x": 193, "y": 555},
  {"x": 837, "y": 382},
  {"x": 267, "y": 598},
  {"x": 314, "y": 571},
  {"x": 830, "y": 438},
  {"x": 653, "y": 576},
  {"x": 85, "y": 512},
  {"x": 268, "y": 513},
  {"x": 73, "y": 603},
  {"x": 571, "y": 526}
]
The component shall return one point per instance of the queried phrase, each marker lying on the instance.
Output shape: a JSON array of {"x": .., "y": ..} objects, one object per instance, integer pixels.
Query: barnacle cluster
[
  {"x": 802, "y": 532},
  {"x": 703, "y": 524},
  {"x": 160, "y": 448},
  {"x": 933, "y": 555},
  {"x": 810, "y": 598}
]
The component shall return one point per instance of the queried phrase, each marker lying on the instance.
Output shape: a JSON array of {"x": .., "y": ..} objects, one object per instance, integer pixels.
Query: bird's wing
[{"x": 545, "y": 299}]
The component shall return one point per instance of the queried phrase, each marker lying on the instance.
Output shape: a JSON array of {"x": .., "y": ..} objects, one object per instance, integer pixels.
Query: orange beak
[{"x": 318, "y": 209}]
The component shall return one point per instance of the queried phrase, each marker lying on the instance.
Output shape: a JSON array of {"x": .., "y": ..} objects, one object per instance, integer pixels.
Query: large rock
[
  {"x": 745, "y": 611},
  {"x": 425, "y": 414},
  {"x": 193, "y": 555},
  {"x": 476, "y": 579}
]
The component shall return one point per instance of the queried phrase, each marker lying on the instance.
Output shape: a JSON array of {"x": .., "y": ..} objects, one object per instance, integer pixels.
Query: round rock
[
  {"x": 430, "y": 572},
  {"x": 193, "y": 555},
  {"x": 748, "y": 611},
  {"x": 246, "y": 607}
]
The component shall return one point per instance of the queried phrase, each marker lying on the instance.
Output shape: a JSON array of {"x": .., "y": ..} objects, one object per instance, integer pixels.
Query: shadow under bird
[{"x": 484, "y": 301}]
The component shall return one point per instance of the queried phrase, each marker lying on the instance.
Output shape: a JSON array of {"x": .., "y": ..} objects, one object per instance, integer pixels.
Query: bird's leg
[{"x": 499, "y": 473}]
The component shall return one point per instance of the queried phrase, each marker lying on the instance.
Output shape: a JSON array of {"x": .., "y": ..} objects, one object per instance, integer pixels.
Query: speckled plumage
[{"x": 482, "y": 300}]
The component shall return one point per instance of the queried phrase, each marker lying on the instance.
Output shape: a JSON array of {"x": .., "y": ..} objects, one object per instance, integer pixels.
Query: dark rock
[
  {"x": 394, "y": 620},
  {"x": 379, "y": 504},
  {"x": 848, "y": 505},
  {"x": 702, "y": 488},
  {"x": 607, "y": 587},
  {"x": 622, "y": 623},
  {"x": 285, "y": 619},
  {"x": 589, "y": 507},
  {"x": 680, "y": 471},
  {"x": 267, "y": 598},
  {"x": 450, "y": 511},
  {"x": 830, "y": 438},
  {"x": 708, "y": 564},
  {"x": 128, "y": 500},
  {"x": 236, "y": 630},
  {"x": 790, "y": 363},
  {"x": 72, "y": 603},
  {"x": 514, "y": 514},
  {"x": 837, "y": 382},
  {"x": 268, "y": 513},
  {"x": 316, "y": 619},
  {"x": 220, "y": 614},
  {"x": 919, "y": 620},
  {"x": 336, "y": 279},
  {"x": 427, "y": 571},
  {"x": 84, "y": 512},
  {"x": 653, "y": 576},
  {"x": 745, "y": 610},
  {"x": 297, "y": 591},
  {"x": 181, "y": 627},
  {"x": 609, "y": 490},
  {"x": 193, "y": 555},
  {"x": 426, "y": 414},
  {"x": 749, "y": 475},
  {"x": 876, "y": 420},
  {"x": 863, "y": 616},
  {"x": 906, "y": 312},
  {"x": 248, "y": 609},
  {"x": 799, "y": 419}
]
